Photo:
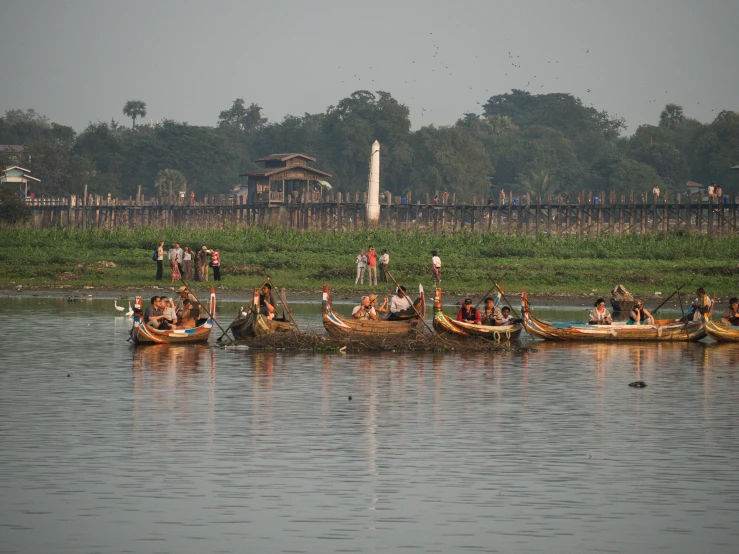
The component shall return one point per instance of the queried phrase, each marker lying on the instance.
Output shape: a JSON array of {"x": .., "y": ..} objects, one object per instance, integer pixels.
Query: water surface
[{"x": 107, "y": 448}]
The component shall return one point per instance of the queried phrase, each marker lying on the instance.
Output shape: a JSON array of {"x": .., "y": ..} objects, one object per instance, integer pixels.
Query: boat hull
[
  {"x": 256, "y": 326},
  {"x": 144, "y": 334},
  {"x": 720, "y": 332},
  {"x": 338, "y": 326},
  {"x": 444, "y": 324},
  {"x": 666, "y": 330}
]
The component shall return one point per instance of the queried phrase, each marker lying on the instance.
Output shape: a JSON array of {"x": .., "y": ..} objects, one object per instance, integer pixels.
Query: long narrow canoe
[
  {"x": 339, "y": 326},
  {"x": 497, "y": 333},
  {"x": 721, "y": 332},
  {"x": 141, "y": 333},
  {"x": 662, "y": 330},
  {"x": 254, "y": 324}
]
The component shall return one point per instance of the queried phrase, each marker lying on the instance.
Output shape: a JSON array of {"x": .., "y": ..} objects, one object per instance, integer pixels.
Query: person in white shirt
[
  {"x": 364, "y": 310},
  {"x": 384, "y": 261},
  {"x": 506, "y": 313},
  {"x": 399, "y": 304},
  {"x": 436, "y": 268},
  {"x": 361, "y": 261}
]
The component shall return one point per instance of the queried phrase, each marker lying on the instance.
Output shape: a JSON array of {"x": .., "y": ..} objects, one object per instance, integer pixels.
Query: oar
[
  {"x": 412, "y": 305},
  {"x": 281, "y": 295},
  {"x": 219, "y": 339},
  {"x": 510, "y": 304},
  {"x": 685, "y": 322},
  {"x": 668, "y": 298},
  {"x": 204, "y": 308},
  {"x": 490, "y": 291}
]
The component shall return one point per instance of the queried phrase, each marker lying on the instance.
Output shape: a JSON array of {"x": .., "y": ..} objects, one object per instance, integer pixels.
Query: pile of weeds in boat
[{"x": 417, "y": 342}]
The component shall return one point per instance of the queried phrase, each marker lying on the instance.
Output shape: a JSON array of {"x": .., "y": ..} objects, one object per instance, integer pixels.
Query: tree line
[{"x": 539, "y": 143}]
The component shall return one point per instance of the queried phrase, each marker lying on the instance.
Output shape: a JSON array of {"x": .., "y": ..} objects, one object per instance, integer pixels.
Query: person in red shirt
[
  {"x": 469, "y": 313},
  {"x": 215, "y": 263},
  {"x": 372, "y": 265}
]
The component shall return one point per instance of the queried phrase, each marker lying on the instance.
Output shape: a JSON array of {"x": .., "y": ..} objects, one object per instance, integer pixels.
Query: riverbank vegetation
[{"x": 304, "y": 261}]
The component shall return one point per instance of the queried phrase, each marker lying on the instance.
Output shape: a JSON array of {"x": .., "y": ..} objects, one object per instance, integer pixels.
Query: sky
[{"x": 79, "y": 61}]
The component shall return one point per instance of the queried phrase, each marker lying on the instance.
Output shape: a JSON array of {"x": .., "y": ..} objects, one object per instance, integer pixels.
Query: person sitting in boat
[
  {"x": 187, "y": 319},
  {"x": 599, "y": 315},
  {"x": 701, "y": 305},
  {"x": 400, "y": 305},
  {"x": 639, "y": 315},
  {"x": 170, "y": 313},
  {"x": 373, "y": 303},
  {"x": 267, "y": 302},
  {"x": 507, "y": 319},
  {"x": 491, "y": 314},
  {"x": 364, "y": 310},
  {"x": 468, "y": 313},
  {"x": 185, "y": 294},
  {"x": 154, "y": 315},
  {"x": 731, "y": 314}
]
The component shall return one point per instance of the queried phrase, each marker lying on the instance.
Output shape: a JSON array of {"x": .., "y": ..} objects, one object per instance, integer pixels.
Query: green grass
[{"x": 305, "y": 260}]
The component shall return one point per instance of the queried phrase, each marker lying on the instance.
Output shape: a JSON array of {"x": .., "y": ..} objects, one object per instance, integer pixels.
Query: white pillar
[{"x": 373, "y": 187}]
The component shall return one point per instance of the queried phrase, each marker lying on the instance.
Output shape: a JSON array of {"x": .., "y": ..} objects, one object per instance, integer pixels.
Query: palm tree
[
  {"x": 171, "y": 180},
  {"x": 134, "y": 109},
  {"x": 672, "y": 116},
  {"x": 540, "y": 182}
]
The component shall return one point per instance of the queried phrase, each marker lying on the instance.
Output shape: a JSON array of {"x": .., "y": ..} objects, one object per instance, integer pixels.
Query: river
[{"x": 109, "y": 448}]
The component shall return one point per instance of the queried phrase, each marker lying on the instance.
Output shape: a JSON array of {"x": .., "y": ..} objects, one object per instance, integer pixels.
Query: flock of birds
[
  {"x": 439, "y": 64},
  {"x": 121, "y": 309}
]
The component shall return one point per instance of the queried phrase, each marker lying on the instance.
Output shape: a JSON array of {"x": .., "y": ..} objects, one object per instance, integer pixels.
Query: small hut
[{"x": 285, "y": 179}]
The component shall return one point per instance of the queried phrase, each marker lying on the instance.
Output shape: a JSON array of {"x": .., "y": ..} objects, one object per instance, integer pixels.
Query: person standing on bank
[
  {"x": 160, "y": 260},
  {"x": 187, "y": 262},
  {"x": 175, "y": 256},
  {"x": 384, "y": 262},
  {"x": 372, "y": 265},
  {"x": 215, "y": 263},
  {"x": 436, "y": 268},
  {"x": 361, "y": 261},
  {"x": 202, "y": 260}
]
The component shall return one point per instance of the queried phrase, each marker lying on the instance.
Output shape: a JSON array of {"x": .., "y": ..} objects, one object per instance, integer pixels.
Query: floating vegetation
[{"x": 418, "y": 342}]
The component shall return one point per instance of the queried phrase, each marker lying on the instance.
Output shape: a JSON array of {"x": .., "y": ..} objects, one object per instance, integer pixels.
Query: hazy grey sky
[{"x": 80, "y": 61}]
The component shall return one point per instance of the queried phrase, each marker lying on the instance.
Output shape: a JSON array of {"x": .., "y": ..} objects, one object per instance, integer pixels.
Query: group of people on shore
[
  {"x": 369, "y": 263},
  {"x": 186, "y": 263},
  {"x": 164, "y": 313},
  {"x": 639, "y": 315}
]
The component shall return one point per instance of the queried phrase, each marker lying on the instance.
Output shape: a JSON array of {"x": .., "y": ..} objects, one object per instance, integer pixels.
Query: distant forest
[{"x": 544, "y": 144}]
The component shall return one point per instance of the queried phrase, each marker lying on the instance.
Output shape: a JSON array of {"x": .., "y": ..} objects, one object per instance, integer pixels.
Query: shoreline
[{"x": 303, "y": 296}]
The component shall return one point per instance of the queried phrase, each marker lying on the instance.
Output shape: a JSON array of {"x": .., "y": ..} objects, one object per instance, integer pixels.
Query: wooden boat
[
  {"x": 339, "y": 326},
  {"x": 662, "y": 330},
  {"x": 621, "y": 299},
  {"x": 141, "y": 333},
  {"x": 721, "y": 332},
  {"x": 254, "y": 325},
  {"x": 497, "y": 333}
]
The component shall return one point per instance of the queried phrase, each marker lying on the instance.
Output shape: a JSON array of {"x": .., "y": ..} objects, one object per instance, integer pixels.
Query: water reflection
[{"x": 168, "y": 449}]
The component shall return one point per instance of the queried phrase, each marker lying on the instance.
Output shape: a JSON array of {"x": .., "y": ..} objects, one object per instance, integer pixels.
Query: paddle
[
  {"x": 667, "y": 299},
  {"x": 204, "y": 308},
  {"x": 282, "y": 298},
  {"x": 685, "y": 319},
  {"x": 510, "y": 304},
  {"x": 488, "y": 292},
  {"x": 219, "y": 339},
  {"x": 412, "y": 305}
]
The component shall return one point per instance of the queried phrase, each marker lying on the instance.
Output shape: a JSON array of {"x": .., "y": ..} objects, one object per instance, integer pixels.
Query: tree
[
  {"x": 170, "y": 180},
  {"x": 134, "y": 109},
  {"x": 12, "y": 210},
  {"x": 671, "y": 117}
]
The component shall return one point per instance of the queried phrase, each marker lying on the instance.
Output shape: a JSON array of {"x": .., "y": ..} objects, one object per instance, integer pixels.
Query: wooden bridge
[{"x": 583, "y": 214}]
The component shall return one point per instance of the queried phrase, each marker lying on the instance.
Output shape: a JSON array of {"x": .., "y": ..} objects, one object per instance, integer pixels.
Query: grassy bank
[{"x": 305, "y": 261}]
